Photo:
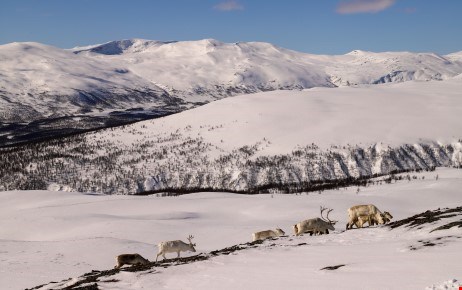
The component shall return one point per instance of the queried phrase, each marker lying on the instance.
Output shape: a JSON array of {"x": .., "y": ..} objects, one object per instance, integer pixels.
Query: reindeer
[
  {"x": 175, "y": 246},
  {"x": 315, "y": 226},
  {"x": 267, "y": 234},
  {"x": 362, "y": 219},
  {"x": 387, "y": 217},
  {"x": 130, "y": 259},
  {"x": 360, "y": 214}
]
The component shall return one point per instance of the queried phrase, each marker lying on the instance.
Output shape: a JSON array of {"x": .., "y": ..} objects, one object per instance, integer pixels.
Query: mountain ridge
[{"x": 40, "y": 82}]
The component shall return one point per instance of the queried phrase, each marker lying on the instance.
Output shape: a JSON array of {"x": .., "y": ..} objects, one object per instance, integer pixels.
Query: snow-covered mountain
[
  {"x": 41, "y": 82},
  {"x": 288, "y": 140},
  {"x": 210, "y": 67}
]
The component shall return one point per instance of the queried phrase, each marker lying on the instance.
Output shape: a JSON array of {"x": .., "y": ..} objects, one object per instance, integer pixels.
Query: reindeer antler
[
  {"x": 332, "y": 222},
  {"x": 322, "y": 210},
  {"x": 326, "y": 219},
  {"x": 190, "y": 238}
]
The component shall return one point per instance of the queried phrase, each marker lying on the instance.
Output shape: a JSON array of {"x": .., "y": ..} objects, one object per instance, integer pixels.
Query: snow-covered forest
[{"x": 284, "y": 141}]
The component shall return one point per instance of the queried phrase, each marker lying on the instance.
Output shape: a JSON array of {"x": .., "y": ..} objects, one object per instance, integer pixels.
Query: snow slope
[
  {"x": 40, "y": 81},
  {"x": 392, "y": 114},
  {"x": 66, "y": 234},
  {"x": 252, "y": 141}
]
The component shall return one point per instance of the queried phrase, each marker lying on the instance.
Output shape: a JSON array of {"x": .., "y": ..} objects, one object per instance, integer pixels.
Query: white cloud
[
  {"x": 363, "y": 6},
  {"x": 228, "y": 5}
]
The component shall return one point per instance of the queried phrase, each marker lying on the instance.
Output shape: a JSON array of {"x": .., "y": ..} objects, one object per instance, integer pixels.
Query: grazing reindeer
[
  {"x": 360, "y": 214},
  {"x": 362, "y": 219},
  {"x": 267, "y": 234},
  {"x": 175, "y": 247},
  {"x": 130, "y": 259},
  {"x": 387, "y": 217},
  {"x": 315, "y": 226}
]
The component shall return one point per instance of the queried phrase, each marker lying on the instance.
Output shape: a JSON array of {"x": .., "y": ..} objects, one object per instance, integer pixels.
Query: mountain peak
[
  {"x": 121, "y": 46},
  {"x": 357, "y": 52}
]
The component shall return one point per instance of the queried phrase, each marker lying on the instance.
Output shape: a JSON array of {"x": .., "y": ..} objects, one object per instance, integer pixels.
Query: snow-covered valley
[
  {"x": 101, "y": 85},
  {"x": 51, "y": 236}
]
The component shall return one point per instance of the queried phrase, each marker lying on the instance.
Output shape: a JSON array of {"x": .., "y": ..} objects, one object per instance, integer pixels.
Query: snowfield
[
  {"x": 51, "y": 236},
  {"x": 391, "y": 113}
]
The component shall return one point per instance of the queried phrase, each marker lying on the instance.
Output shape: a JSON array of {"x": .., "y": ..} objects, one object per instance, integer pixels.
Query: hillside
[
  {"x": 47, "y": 91},
  {"x": 282, "y": 140},
  {"x": 66, "y": 234},
  {"x": 41, "y": 81}
]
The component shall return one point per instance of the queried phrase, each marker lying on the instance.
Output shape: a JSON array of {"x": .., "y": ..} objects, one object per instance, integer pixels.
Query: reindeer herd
[{"x": 358, "y": 215}]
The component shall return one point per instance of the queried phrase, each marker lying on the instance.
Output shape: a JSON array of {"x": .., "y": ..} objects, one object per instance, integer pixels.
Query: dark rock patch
[
  {"x": 333, "y": 267},
  {"x": 448, "y": 226},
  {"x": 428, "y": 217},
  {"x": 88, "y": 287},
  {"x": 439, "y": 241}
]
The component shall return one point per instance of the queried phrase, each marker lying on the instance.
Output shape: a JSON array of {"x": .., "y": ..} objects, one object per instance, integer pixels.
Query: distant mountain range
[{"x": 47, "y": 91}]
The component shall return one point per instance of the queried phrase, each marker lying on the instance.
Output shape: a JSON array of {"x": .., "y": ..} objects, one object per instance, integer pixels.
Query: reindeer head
[
  {"x": 386, "y": 217},
  {"x": 295, "y": 228},
  {"x": 327, "y": 216},
  {"x": 191, "y": 244},
  {"x": 280, "y": 232}
]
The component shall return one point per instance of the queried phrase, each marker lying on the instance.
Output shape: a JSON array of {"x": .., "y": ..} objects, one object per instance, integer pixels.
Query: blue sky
[{"x": 314, "y": 26}]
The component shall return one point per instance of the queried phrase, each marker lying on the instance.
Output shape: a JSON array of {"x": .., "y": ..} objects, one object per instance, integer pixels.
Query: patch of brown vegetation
[{"x": 429, "y": 217}]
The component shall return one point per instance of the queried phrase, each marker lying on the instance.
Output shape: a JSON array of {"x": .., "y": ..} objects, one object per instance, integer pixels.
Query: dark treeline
[{"x": 314, "y": 186}]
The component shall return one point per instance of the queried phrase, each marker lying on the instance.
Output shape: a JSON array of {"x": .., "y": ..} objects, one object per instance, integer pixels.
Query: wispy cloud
[
  {"x": 363, "y": 6},
  {"x": 228, "y": 5}
]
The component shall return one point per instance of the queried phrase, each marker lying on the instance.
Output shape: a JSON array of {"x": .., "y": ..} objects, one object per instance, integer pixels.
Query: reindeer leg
[{"x": 350, "y": 225}]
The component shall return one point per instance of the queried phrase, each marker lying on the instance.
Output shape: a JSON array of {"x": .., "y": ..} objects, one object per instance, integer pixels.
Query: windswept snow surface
[{"x": 50, "y": 236}]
